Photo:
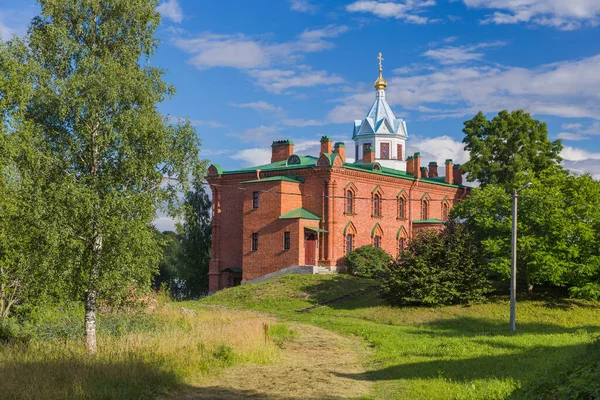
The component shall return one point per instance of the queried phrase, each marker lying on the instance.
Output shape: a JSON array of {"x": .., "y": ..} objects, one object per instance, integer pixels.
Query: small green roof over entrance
[
  {"x": 315, "y": 229},
  {"x": 300, "y": 213},
  {"x": 428, "y": 221}
]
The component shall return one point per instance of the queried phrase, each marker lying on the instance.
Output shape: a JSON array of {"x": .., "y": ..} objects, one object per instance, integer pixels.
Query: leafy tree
[
  {"x": 512, "y": 144},
  {"x": 168, "y": 267},
  {"x": 558, "y": 225},
  {"x": 196, "y": 240},
  {"x": 112, "y": 159},
  {"x": 437, "y": 268},
  {"x": 368, "y": 261}
]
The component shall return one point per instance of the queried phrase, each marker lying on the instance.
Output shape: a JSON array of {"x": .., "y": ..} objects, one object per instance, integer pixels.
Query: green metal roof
[
  {"x": 428, "y": 221},
  {"x": 310, "y": 161},
  {"x": 278, "y": 178},
  {"x": 315, "y": 229},
  {"x": 300, "y": 213}
]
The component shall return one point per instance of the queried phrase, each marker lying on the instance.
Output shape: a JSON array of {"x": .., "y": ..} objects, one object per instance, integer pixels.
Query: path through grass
[{"x": 450, "y": 352}]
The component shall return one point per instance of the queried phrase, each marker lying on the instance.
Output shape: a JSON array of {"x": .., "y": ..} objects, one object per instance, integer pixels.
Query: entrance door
[{"x": 310, "y": 249}]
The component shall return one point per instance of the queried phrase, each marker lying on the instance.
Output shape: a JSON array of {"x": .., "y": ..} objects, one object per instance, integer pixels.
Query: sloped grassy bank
[{"x": 447, "y": 352}]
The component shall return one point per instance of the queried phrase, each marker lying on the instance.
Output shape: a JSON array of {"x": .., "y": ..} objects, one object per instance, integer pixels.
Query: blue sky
[{"x": 249, "y": 72}]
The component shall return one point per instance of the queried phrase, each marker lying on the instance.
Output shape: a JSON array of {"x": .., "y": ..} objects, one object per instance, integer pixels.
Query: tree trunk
[{"x": 91, "y": 297}]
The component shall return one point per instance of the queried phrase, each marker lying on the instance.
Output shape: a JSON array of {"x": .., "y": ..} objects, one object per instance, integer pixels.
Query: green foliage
[
  {"x": 558, "y": 225},
  {"x": 168, "y": 268},
  {"x": 578, "y": 380},
  {"x": 281, "y": 333},
  {"x": 80, "y": 102},
  {"x": 196, "y": 240},
  {"x": 437, "y": 268},
  {"x": 509, "y": 146},
  {"x": 437, "y": 353},
  {"x": 224, "y": 355},
  {"x": 368, "y": 261}
]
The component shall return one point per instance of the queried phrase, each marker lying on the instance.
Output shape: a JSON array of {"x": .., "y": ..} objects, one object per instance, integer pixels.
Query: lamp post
[{"x": 513, "y": 267}]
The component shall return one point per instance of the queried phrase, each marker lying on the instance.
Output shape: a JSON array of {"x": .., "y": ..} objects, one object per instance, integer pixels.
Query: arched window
[
  {"x": 445, "y": 209},
  {"x": 377, "y": 241},
  {"x": 401, "y": 208},
  {"x": 424, "y": 209},
  {"x": 400, "y": 246},
  {"x": 349, "y": 243},
  {"x": 376, "y": 205},
  {"x": 349, "y": 202}
]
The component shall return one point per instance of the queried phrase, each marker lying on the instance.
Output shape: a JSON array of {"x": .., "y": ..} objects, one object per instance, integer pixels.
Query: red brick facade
[{"x": 309, "y": 199}]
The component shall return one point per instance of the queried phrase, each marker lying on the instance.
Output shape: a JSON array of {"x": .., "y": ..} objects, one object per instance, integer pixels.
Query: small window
[
  {"x": 400, "y": 246},
  {"x": 399, "y": 152},
  {"x": 377, "y": 242},
  {"x": 349, "y": 243},
  {"x": 384, "y": 151},
  {"x": 349, "y": 202},
  {"x": 424, "y": 210},
  {"x": 445, "y": 212},
  {"x": 401, "y": 208},
  {"x": 255, "y": 200},
  {"x": 254, "y": 241},
  {"x": 286, "y": 241},
  {"x": 376, "y": 205}
]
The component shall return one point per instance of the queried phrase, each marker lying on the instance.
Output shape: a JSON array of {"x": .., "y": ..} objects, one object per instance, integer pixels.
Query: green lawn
[{"x": 449, "y": 352}]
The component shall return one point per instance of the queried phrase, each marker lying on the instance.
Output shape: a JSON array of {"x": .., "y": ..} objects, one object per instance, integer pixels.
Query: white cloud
[
  {"x": 438, "y": 149},
  {"x": 460, "y": 54},
  {"x": 263, "y": 134},
  {"x": 574, "y": 154},
  {"x": 329, "y": 31},
  {"x": 565, "y": 89},
  {"x": 255, "y": 156},
  {"x": 278, "y": 80},
  {"x": 304, "y": 6},
  {"x": 198, "y": 122},
  {"x": 561, "y": 14},
  {"x": 407, "y": 10},
  {"x": 570, "y": 136},
  {"x": 260, "y": 106},
  {"x": 165, "y": 223},
  {"x": 172, "y": 10}
]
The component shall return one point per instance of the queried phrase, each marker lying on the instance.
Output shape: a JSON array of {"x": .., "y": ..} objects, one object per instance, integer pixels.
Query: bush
[
  {"x": 437, "y": 268},
  {"x": 368, "y": 262}
]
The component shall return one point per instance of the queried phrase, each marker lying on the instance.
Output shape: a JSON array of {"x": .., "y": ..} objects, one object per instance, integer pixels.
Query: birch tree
[{"x": 112, "y": 158}]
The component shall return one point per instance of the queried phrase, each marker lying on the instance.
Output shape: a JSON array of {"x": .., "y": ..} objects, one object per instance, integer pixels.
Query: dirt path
[{"x": 310, "y": 369}]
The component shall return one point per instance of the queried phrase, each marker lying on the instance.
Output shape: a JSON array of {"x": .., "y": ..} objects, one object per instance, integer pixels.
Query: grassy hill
[{"x": 449, "y": 352}]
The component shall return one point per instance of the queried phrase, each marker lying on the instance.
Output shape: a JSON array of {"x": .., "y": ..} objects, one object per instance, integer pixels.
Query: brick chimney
[
  {"x": 326, "y": 145},
  {"x": 281, "y": 150},
  {"x": 457, "y": 174},
  {"x": 449, "y": 178},
  {"x": 369, "y": 155},
  {"x": 340, "y": 148},
  {"x": 433, "y": 172},
  {"x": 417, "y": 165},
  {"x": 410, "y": 165},
  {"x": 424, "y": 173}
]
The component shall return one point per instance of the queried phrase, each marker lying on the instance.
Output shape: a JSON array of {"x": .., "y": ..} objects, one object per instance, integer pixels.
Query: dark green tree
[
  {"x": 368, "y": 261},
  {"x": 512, "y": 144},
  {"x": 196, "y": 238},
  {"x": 558, "y": 225},
  {"x": 437, "y": 268},
  {"x": 111, "y": 158},
  {"x": 169, "y": 265}
]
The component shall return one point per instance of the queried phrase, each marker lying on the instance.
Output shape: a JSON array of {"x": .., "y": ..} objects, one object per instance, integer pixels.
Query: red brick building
[{"x": 312, "y": 210}]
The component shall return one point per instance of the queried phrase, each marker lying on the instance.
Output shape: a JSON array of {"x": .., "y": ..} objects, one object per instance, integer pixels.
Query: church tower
[{"x": 380, "y": 131}]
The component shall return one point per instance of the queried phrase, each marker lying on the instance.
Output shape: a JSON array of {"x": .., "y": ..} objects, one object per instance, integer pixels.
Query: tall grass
[{"x": 141, "y": 356}]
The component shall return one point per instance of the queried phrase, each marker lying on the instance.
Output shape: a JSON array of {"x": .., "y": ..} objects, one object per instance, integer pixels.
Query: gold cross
[{"x": 380, "y": 58}]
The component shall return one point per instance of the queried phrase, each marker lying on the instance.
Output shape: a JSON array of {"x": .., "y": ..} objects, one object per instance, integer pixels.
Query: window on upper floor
[
  {"x": 401, "y": 208},
  {"x": 286, "y": 240},
  {"x": 376, "y": 205},
  {"x": 384, "y": 151},
  {"x": 445, "y": 211},
  {"x": 424, "y": 209},
  {"x": 349, "y": 202},
  {"x": 255, "y": 196},
  {"x": 399, "y": 152}
]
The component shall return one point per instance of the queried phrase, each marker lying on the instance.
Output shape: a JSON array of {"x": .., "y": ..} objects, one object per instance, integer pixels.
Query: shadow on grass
[
  {"x": 525, "y": 366},
  {"x": 471, "y": 326},
  {"x": 341, "y": 291},
  {"x": 220, "y": 393}
]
